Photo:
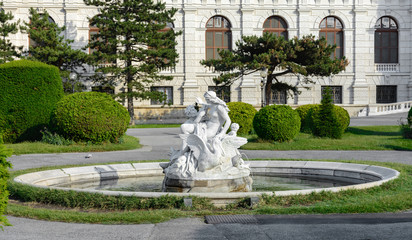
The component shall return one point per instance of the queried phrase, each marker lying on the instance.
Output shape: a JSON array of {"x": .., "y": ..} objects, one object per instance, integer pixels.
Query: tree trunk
[{"x": 268, "y": 88}]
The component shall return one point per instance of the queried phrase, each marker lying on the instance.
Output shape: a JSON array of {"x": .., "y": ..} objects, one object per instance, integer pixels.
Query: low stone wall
[{"x": 363, "y": 176}]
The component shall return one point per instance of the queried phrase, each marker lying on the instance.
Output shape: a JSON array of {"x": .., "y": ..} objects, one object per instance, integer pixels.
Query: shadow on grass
[
  {"x": 397, "y": 148},
  {"x": 359, "y": 131}
]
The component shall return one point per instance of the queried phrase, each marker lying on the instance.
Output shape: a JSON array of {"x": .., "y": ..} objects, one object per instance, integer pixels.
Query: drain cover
[{"x": 216, "y": 219}]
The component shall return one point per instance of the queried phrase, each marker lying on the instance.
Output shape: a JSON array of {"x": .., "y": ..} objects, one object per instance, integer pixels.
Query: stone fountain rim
[{"x": 375, "y": 174}]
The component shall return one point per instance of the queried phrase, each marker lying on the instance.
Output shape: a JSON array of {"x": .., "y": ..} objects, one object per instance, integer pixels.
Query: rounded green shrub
[
  {"x": 242, "y": 114},
  {"x": 305, "y": 113},
  {"x": 4, "y": 176},
  {"x": 29, "y": 92},
  {"x": 90, "y": 117},
  {"x": 410, "y": 117},
  {"x": 277, "y": 122}
]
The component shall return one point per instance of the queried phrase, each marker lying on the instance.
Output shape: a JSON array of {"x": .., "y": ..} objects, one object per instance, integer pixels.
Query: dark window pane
[
  {"x": 322, "y": 34},
  {"x": 338, "y": 24},
  {"x": 385, "y": 55},
  {"x": 394, "y": 39},
  {"x": 378, "y": 56},
  {"x": 167, "y": 91},
  {"x": 275, "y": 22},
  {"x": 378, "y": 39},
  {"x": 393, "y": 55},
  {"x": 283, "y": 24},
  {"x": 386, "y": 94},
  {"x": 278, "y": 97},
  {"x": 227, "y": 39},
  {"x": 385, "y": 39},
  {"x": 336, "y": 92},
  {"x": 284, "y": 35},
  {"x": 339, "y": 39}
]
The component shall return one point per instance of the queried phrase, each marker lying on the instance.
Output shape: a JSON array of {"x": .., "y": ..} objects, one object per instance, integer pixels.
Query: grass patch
[
  {"x": 70, "y": 206},
  {"x": 355, "y": 138},
  {"x": 128, "y": 143},
  {"x": 156, "y": 125}
]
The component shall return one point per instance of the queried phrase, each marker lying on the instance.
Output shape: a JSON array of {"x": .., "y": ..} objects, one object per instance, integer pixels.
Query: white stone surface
[{"x": 303, "y": 17}]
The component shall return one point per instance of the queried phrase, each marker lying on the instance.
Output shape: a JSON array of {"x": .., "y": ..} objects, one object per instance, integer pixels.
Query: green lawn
[
  {"x": 355, "y": 138},
  {"x": 128, "y": 143}
]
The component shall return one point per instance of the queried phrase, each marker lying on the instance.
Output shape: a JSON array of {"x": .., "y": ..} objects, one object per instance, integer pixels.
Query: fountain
[{"x": 209, "y": 159}]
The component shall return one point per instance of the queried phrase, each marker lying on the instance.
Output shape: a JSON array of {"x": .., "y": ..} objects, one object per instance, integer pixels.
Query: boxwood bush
[
  {"x": 29, "y": 92},
  {"x": 329, "y": 120},
  {"x": 242, "y": 114},
  {"x": 305, "y": 113},
  {"x": 4, "y": 175},
  {"x": 90, "y": 117},
  {"x": 277, "y": 122}
]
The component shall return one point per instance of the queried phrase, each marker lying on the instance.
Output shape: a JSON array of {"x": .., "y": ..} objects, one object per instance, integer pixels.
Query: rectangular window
[
  {"x": 278, "y": 97},
  {"x": 105, "y": 89},
  {"x": 386, "y": 94},
  {"x": 221, "y": 92},
  {"x": 167, "y": 91},
  {"x": 336, "y": 92}
]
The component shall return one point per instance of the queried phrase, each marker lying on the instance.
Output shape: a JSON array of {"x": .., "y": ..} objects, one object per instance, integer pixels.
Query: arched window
[
  {"x": 33, "y": 43},
  {"x": 276, "y": 25},
  {"x": 386, "y": 40},
  {"x": 331, "y": 29},
  {"x": 218, "y": 36}
]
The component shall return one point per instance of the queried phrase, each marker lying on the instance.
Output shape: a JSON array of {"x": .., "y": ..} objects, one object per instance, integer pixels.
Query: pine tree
[
  {"x": 7, "y": 50},
  {"x": 50, "y": 46},
  {"x": 132, "y": 46},
  {"x": 305, "y": 57}
]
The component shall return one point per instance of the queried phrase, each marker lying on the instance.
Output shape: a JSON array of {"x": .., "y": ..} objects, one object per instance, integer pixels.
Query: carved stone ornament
[{"x": 209, "y": 159}]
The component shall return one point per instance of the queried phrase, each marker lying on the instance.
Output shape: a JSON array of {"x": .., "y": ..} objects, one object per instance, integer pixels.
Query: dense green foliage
[
  {"x": 306, "y": 57},
  {"x": 305, "y": 113},
  {"x": 29, "y": 92},
  {"x": 242, "y": 114},
  {"x": 7, "y": 50},
  {"x": 279, "y": 123},
  {"x": 4, "y": 176},
  {"x": 50, "y": 46},
  {"x": 406, "y": 128},
  {"x": 73, "y": 199},
  {"x": 327, "y": 120},
  {"x": 134, "y": 32},
  {"x": 90, "y": 116}
]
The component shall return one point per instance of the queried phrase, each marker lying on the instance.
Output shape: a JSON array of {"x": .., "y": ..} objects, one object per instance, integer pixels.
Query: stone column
[
  {"x": 190, "y": 59},
  {"x": 361, "y": 57}
]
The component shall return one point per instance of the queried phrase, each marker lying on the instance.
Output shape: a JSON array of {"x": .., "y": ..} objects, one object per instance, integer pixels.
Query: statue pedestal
[{"x": 224, "y": 183}]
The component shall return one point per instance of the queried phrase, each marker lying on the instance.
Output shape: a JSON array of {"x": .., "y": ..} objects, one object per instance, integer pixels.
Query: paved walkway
[{"x": 157, "y": 143}]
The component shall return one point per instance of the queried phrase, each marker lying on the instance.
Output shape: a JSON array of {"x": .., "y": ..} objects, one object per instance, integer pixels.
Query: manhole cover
[{"x": 245, "y": 219}]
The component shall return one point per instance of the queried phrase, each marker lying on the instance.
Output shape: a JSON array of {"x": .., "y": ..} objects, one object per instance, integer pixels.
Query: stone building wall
[{"x": 303, "y": 17}]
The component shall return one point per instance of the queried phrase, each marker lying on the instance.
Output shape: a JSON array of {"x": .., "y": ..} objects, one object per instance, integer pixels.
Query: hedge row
[
  {"x": 29, "y": 92},
  {"x": 4, "y": 176}
]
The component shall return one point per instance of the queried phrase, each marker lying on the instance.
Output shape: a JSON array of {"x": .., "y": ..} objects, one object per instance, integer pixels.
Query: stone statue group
[{"x": 208, "y": 152}]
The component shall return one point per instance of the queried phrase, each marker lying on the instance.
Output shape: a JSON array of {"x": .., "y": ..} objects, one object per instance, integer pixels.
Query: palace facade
[{"x": 374, "y": 35}]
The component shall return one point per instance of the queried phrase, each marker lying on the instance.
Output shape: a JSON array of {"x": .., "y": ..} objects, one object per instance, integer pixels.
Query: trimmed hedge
[
  {"x": 29, "y": 92},
  {"x": 279, "y": 123},
  {"x": 242, "y": 114},
  {"x": 90, "y": 117},
  {"x": 4, "y": 175},
  {"x": 330, "y": 120},
  {"x": 305, "y": 113}
]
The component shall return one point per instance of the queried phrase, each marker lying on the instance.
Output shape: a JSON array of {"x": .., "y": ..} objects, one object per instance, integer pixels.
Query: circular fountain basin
[{"x": 358, "y": 175}]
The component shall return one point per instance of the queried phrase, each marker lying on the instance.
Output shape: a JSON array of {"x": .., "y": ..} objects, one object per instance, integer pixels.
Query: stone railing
[
  {"x": 387, "y": 67},
  {"x": 383, "y": 109}
]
